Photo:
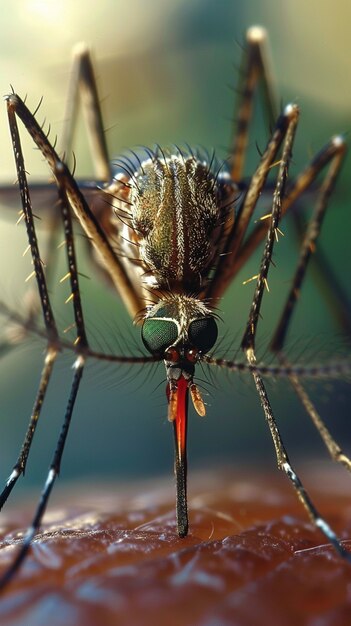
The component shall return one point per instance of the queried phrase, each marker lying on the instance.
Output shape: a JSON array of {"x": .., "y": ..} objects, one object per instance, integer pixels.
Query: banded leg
[
  {"x": 20, "y": 465},
  {"x": 49, "y": 483},
  {"x": 308, "y": 247},
  {"x": 248, "y": 346},
  {"x": 52, "y": 334},
  {"x": 285, "y": 465},
  {"x": 81, "y": 344},
  {"x": 49, "y": 321}
]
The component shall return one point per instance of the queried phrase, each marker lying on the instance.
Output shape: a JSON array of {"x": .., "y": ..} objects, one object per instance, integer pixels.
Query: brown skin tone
[{"x": 111, "y": 555}]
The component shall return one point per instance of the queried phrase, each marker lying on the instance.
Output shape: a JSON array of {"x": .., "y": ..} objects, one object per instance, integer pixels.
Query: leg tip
[{"x": 256, "y": 34}]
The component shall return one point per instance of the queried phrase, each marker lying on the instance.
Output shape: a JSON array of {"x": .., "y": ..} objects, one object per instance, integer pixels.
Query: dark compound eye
[
  {"x": 158, "y": 335},
  {"x": 202, "y": 333}
]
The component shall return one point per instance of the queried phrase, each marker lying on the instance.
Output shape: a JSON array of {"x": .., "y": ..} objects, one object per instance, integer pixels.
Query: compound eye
[
  {"x": 203, "y": 333},
  {"x": 158, "y": 335}
]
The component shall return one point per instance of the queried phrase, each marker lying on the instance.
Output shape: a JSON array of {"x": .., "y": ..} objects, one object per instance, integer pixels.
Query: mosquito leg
[
  {"x": 328, "y": 282},
  {"x": 80, "y": 207},
  {"x": 256, "y": 68},
  {"x": 14, "y": 333},
  {"x": 326, "y": 371},
  {"x": 50, "y": 325},
  {"x": 331, "y": 154},
  {"x": 83, "y": 84},
  {"x": 31, "y": 300},
  {"x": 332, "y": 446},
  {"x": 307, "y": 249},
  {"x": 309, "y": 245},
  {"x": 32, "y": 238},
  {"x": 49, "y": 483},
  {"x": 248, "y": 342},
  {"x": 248, "y": 345},
  {"x": 80, "y": 343},
  {"x": 284, "y": 465},
  {"x": 20, "y": 465},
  {"x": 223, "y": 275},
  {"x": 51, "y": 329}
]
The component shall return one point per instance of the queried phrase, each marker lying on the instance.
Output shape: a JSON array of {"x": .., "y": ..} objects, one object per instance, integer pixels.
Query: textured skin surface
[{"x": 112, "y": 557}]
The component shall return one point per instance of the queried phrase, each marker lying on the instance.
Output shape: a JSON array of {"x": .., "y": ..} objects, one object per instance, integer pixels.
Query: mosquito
[{"x": 169, "y": 228}]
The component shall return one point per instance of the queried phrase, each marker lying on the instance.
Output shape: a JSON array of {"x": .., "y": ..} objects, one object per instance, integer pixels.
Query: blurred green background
[{"x": 166, "y": 73}]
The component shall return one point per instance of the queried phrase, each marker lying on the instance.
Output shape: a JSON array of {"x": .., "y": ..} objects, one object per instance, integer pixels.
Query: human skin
[{"x": 110, "y": 555}]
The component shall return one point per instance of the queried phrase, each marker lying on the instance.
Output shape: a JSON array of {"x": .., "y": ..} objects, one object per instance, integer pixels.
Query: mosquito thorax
[
  {"x": 177, "y": 205},
  {"x": 180, "y": 329}
]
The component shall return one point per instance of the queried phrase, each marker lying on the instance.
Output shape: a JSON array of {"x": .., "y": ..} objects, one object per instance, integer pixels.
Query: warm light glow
[{"x": 49, "y": 10}]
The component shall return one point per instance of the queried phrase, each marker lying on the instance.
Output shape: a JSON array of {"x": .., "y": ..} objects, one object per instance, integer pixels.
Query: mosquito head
[{"x": 181, "y": 329}]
